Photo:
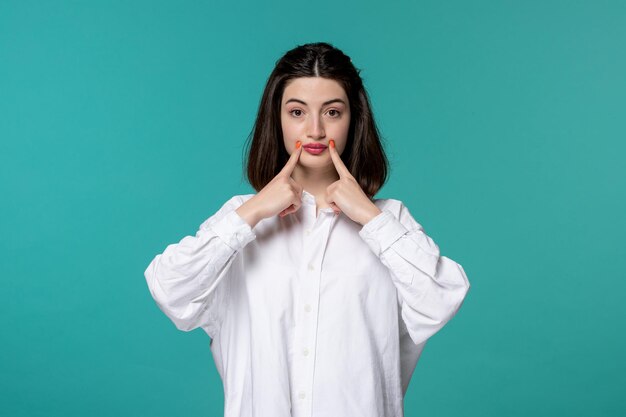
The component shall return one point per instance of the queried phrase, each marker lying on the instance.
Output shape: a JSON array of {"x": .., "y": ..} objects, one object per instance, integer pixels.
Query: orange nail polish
[
  {"x": 332, "y": 143},
  {"x": 298, "y": 143}
]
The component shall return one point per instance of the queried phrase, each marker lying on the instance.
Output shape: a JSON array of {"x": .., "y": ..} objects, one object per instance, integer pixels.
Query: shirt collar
[{"x": 308, "y": 198}]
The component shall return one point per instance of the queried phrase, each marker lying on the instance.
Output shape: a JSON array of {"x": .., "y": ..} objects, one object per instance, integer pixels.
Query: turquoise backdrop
[{"x": 122, "y": 126}]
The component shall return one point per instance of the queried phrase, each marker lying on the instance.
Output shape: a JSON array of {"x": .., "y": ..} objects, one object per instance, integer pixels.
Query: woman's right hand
[{"x": 282, "y": 195}]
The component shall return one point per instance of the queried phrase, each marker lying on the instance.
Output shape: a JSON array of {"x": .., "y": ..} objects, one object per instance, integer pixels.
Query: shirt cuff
[
  {"x": 234, "y": 230},
  {"x": 381, "y": 231}
]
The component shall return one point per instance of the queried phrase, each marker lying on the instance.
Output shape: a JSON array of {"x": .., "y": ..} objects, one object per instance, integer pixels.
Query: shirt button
[
  {"x": 307, "y": 232},
  {"x": 301, "y": 395},
  {"x": 305, "y": 352},
  {"x": 310, "y": 267},
  {"x": 307, "y": 307}
]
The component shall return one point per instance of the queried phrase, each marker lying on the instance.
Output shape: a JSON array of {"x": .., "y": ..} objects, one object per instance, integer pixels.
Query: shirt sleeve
[
  {"x": 431, "y": 287},
  {"x": 188, "y": 281}
]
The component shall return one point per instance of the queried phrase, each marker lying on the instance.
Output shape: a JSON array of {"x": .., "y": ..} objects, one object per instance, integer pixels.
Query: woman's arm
[
  {"x": 186, "y": 279},
  {"x": 431, "y": 287}
]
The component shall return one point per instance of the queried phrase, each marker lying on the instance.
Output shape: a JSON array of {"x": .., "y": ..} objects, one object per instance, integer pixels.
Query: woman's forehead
[{"x": 313, "y": 90}]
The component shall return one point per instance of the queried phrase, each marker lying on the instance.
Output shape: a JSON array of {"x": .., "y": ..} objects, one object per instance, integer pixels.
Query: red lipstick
[{"x": 314, "y": 148}]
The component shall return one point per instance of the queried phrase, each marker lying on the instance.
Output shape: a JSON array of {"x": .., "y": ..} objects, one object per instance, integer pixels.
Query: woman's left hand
[{"x": 345, "y": 195}]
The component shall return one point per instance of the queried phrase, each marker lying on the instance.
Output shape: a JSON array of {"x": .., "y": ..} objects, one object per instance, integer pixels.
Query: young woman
[{"x": 317, "y": 297}]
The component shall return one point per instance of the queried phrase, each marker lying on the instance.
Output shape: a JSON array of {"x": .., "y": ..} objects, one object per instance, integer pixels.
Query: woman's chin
[{"x": 313, "y": 162}]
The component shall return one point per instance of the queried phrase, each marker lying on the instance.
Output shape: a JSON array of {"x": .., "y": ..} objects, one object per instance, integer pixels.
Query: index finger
[
  {"x": 292, "y": 161},
  {"x": 341, "y": 168}
]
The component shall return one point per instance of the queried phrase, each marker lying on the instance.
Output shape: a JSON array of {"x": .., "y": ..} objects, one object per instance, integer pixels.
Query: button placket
[
  {"x": 306, "y": 323},
  {"x": 315, "y": 238}
]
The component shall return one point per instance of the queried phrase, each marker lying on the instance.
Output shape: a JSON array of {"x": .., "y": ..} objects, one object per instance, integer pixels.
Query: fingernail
[
  {"x": 332, "y": 143},
  {"x": 298, "y": 143}
]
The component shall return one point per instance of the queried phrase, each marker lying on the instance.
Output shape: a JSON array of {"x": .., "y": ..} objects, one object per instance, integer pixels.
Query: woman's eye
[{"x": 333, "y": 113}]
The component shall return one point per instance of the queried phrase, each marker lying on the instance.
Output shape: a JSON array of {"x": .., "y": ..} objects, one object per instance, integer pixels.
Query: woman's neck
[{"x": 315, "y": 181}]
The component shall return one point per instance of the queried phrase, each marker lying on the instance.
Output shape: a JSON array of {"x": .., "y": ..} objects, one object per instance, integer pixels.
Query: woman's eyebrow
[{"x": 334, "y": 100}]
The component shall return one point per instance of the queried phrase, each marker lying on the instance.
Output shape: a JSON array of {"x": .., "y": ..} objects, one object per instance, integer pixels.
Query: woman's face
[{"x": 313, "y": 111}]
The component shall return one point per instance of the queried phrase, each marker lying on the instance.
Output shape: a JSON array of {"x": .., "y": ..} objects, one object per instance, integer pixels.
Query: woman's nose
[{"x": 316, "y": 127}]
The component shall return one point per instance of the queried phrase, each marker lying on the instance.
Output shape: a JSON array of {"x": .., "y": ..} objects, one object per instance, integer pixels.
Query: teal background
[{"x": 122, "y": 126}]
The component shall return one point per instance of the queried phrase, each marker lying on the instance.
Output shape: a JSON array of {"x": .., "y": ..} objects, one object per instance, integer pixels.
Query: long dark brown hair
[{"x": 364, "y": 155}]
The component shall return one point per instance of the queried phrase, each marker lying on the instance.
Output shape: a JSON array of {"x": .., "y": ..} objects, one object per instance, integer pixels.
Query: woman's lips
[{"x": 314, "y": 150}]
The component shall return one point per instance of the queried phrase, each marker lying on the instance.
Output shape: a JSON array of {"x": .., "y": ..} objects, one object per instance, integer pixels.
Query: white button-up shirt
[{"x": 310, "y": 316}]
